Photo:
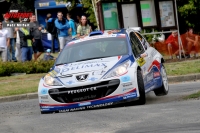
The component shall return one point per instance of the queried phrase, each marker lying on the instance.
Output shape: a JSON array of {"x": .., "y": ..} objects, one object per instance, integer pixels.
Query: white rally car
[{"x": 103, "y": 69}]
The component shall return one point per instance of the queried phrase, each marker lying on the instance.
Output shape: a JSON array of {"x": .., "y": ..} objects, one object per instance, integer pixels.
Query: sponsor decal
[
  {"x": 150, "y": 88},
  {"x": 126, "y": 89},
  {"x": 127, "y": 84},
  {"x": 73, "y": 109},
  {"x": 84, "y": 98},
  {"x": 81, "y": 90},
  {"x": 70, "y": 43},
  {"x": 84, "y": 104},
  {"x": 53, "y": 73},
  {"x": 44, "y": 91},
  {"x": 153, "y": 53},
  {"x": 87, "y": 107},
  {"x": 46, "y": 107},
  {"x": 44, "y": 101},
  {"x": 61, "y": 3},
  {"x": 100, "y": 72},
  {"x": 43, "y": 4},
  {"x": 82, "y": 66},
  {"x": 121, "y": 35},
  {"x": 15, "y": 14},
  {"x": 112, "y": 31},
  {"x": 119, "y": 57},
  {"x": 93, "y": 79},
  {"x": 141, "y": 61},
  {"x": 44, "y": 97},
  {"x": 130, "y": 95},
  {"x": 156, "y": 74},
  {"x": 99, "y": 105},
  {"x": 149, "y": 76},
  {"x": 70, "y": 82},
  {"x": 19, "y": 25},
  {"x": 125, "y": 78}
]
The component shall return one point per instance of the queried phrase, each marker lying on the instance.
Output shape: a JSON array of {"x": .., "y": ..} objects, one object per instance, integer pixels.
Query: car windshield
[{"x": 93, "y": 49}]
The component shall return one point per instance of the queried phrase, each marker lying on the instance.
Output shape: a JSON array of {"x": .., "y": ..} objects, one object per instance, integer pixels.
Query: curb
[
  {"x": 19, "y": 97},
  {"x": 171, "y": 80},
  {"x": 184, "y": 78}
]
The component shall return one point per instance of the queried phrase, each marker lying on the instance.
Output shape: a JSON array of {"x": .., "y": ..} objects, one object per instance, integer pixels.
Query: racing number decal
[{"x": 141, "y": 61}]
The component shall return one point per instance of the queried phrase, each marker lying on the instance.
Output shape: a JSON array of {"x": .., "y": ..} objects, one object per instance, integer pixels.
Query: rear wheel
[
  {"x": 142, "y": 98},
  {"x": 164, "y": 89}
]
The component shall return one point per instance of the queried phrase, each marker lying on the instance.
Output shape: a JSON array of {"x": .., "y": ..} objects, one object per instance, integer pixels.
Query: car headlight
[
  {"x": 51, "y": 81},
  {"x": 120, "y": 70}
]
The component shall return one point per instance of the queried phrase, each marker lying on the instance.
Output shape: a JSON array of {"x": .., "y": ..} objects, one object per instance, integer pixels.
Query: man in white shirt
[
  {"x": 11, "y": 47},
  {"x": 4, "y": 42}
]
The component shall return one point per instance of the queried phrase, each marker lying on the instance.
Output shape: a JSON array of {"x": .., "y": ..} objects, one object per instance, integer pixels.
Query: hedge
[{"x": 7, "y": 68}]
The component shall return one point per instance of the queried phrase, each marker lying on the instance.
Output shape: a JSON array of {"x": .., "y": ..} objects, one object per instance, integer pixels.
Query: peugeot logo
[{"x": 82, "y": 77}]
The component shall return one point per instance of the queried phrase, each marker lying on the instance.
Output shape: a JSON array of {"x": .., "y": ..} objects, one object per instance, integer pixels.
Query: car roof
[{"x": 106, "y": 34}]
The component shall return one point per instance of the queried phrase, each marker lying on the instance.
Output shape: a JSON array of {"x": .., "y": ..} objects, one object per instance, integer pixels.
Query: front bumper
[
  {"x": 98, "y": 103},
  {"x": 88, "y": 96}
]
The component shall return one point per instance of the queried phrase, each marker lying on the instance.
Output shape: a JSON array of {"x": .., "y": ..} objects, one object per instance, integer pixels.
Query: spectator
[
  {"x": 192, "y": 41},
  {"x": 172, "y": 44},
  {"x": 48, "y": 55},
  {"x": 4, "y": 42},
  {"x": 25, "y": 44},
  {"x": 12, "y": 40},
  {"x": 18, "y": 49},
  {"x": 51, "y": 28},
  {"x": 72, "y": 29},
  {"x": 62, "y": 26},
  {"x": 83, "y": 29},
  {"x": 35, "y": 30}
]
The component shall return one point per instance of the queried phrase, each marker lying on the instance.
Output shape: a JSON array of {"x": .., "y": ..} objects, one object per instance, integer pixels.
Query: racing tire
[
  {"x": 142, "y": 98},
  {"x": 164, "y": 89}
]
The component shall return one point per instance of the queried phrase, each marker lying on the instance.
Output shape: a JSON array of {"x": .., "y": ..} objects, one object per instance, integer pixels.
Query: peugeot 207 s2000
[{"x": 102, "y": 70}]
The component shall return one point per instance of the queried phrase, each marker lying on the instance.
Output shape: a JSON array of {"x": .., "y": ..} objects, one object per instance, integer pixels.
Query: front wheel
[
  {"x": 142, "y": 98},
  {"x": 164, "y": 89}
]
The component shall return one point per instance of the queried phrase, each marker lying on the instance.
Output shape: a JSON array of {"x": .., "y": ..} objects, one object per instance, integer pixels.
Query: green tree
[
  {"x": 90, "y": 11},
  {"x": 87, "y": 4},
  {"x": 27, "y": 5},
  {"x": 190, "y": 11}
]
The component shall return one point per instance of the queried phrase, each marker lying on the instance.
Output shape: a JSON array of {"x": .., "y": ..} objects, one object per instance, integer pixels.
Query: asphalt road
[{"x": 167, "y": 114}]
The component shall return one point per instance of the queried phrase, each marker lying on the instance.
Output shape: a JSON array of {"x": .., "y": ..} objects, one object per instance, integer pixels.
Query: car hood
[{"x": 91, "y": 71}]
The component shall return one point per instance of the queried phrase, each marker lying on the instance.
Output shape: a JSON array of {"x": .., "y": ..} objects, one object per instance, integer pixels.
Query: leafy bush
[{"x": 7, "y": 68}]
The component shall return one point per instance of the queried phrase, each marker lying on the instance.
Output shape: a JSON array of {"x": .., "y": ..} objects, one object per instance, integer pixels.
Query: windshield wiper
[{"x": 92, "y": 58}]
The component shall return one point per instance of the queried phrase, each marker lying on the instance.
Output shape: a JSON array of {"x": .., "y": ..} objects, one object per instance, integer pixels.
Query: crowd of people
[
  {"x": 65, "y": 29},
  {"x": 191, "y": 41},
  {"x": 21, "y": 44}
]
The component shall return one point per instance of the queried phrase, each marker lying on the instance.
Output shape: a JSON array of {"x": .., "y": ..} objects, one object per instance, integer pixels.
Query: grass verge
[
  {"x": 22, "y": 84},
  {"x": 183, "y": 68},
  {"x": 193, "y": 96}
]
